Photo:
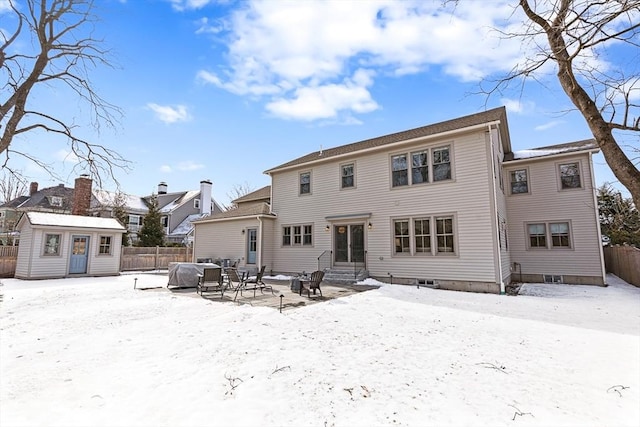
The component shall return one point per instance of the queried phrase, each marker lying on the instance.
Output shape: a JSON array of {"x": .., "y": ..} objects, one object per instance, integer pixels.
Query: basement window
[{"x": 552, "y": 278}]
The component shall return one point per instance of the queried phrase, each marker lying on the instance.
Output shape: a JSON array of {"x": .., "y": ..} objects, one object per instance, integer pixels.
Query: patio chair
[
  {"x": 255, "y": 283},
  {"x": 312, "y": 284},
  {"x": 211, "y": 281},
  {"x": 234, "y": 280}
]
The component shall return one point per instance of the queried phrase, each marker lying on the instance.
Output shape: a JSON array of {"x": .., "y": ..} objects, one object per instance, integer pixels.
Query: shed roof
[{"x": 74, "y": 221}]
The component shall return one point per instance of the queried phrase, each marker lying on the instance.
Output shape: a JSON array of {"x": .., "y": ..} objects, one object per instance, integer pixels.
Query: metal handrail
[{"x": 321, "y": 258}]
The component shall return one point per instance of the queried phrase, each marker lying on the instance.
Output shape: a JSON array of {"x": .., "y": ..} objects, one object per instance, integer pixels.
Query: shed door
[{"x": 79, "y": 255}]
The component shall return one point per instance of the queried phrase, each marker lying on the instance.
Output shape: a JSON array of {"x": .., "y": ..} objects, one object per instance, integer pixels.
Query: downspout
[
  {"x": 596, "y": 212},
  {"x": 260, "y": 235},
  {"x": 495, "y": 208}
]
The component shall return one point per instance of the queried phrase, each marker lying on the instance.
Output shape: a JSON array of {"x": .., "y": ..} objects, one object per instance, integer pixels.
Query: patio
[{"x": 290, "y": 299}]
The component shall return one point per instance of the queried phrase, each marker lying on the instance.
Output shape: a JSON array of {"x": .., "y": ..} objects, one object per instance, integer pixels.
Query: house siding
[
  {"x": 466, "y": 197},
  {"x": 547, "y": 203},
  {"x": 223, "y": 239}
]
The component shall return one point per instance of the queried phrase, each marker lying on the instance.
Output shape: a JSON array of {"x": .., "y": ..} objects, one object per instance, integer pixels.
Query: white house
[
  {"x": 59, "y": 245},
  {"x": 448, "y": 204}
]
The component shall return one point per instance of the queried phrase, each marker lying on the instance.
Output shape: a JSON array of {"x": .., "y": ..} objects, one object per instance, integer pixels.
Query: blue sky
[{"x": 224, "y": 90}]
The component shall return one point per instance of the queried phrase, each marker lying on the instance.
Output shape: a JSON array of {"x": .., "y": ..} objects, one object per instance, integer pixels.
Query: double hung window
[
  {"x": 297, "y": 235},
  {"x": 424, "y": 235},
  {"x": 519, "y": 181},
  {"x": 423, "y": 166},
  {"x": 549, "y": 235},
  {"x": 52, "y": 244}
]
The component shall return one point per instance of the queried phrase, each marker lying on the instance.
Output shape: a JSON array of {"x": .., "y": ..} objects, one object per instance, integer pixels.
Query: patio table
[{"x": 185, "y": 274}]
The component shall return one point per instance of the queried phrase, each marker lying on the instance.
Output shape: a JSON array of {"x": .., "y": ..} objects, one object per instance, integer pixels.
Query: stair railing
[{"x": 324, "y": 260}]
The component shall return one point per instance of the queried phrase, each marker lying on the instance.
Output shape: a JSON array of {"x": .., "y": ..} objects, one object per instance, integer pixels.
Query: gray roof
[
  {"x": 554, "y": 150},
  {"x": 242, "y": 211},
  {"x": 41, "y": 199},
  {"x": 259, "y": 194},
  {"x": 496, "y": 114}
]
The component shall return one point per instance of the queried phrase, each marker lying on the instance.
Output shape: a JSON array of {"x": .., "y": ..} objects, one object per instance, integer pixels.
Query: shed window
[
  {"x": 52, "y": 244},
  {"x": 105, "y": 245}
]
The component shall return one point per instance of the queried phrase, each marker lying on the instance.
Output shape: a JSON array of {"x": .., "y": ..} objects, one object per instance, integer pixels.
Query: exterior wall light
[
  {"x": 370, "y": 226},
  {"x": 327, "y": 228}
]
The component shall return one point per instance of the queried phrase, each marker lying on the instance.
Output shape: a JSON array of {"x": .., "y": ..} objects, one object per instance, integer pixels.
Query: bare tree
[
  {"x": 65, "y": 51},
  {"x": 577, "y": 37},
  {"x": 11, "y": 186},
  {"x": 237, "y": 191}
]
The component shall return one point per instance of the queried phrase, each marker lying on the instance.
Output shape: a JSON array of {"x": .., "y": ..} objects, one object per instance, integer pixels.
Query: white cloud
[
  {"x": 170, "y": 114},
  {"x": 182, "y": 5},
  {"x": 4, "y": 6},
  {"x": 549, "y": 125},
  {"x": 189, "y": 165},
  {"x": 165, "y": 169},
  {"x": 66, "y": 156},
  {"x": 517, "y": 105},
  {"x": 293, "y": 52}
]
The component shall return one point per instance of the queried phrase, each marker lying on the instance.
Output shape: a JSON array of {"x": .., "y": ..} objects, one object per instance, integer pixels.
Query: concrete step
[{"x": 344, "y": 276}]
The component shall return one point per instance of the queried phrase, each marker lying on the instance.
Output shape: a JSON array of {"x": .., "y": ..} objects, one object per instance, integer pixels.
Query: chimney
[
  {"x": 33, "y": 188},
  {"x": 81, "y": 196},
  {"x": 205, "y": 196},
  {"x": 162, "y": 188}
]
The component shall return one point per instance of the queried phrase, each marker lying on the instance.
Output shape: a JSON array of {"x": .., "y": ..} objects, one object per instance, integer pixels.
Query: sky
[
  {"x": 224, "y": 90},
  {"x": 97, "y": 352}
]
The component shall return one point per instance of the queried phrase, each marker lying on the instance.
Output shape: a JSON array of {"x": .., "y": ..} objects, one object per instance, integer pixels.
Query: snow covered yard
[{"x": 96, "y": 352}]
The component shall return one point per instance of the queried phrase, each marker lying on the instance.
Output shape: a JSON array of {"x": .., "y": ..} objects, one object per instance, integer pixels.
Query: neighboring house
[
  {"x": 448, "y": 205},
  {"x": 177, "y": 210},
  {"x": 63, "y": 245}
]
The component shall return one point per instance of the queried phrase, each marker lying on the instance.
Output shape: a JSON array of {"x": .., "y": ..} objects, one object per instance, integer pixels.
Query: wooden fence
[
  {"x": 154, "y": 258},
  {"x": 624, "y": 262},
  {"x": 8, "y": 260}
]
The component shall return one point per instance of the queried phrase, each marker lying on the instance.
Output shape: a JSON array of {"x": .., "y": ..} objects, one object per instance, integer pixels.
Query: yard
[{"x": 97, "y": 352}]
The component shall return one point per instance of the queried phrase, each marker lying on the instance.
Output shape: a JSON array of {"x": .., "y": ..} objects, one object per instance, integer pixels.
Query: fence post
[{"x": 155, "y": 263}]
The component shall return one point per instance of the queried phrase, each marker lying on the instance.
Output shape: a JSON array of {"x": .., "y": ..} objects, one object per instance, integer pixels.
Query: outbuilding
[{"x": 58, "y": 245}]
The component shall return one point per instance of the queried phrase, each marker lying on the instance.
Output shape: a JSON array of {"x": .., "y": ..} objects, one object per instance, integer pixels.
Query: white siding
[
  {"x": 33, "y": 264},
  {"x": 546, "y": 202},
  {"x": 467, "y": 197},
  {"x": 223, "y": 239}
]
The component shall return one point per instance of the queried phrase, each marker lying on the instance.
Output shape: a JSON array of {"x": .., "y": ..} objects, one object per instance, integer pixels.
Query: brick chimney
[
  {"x": 33, "y": 188},
  {"x": 81, "y": 196}
]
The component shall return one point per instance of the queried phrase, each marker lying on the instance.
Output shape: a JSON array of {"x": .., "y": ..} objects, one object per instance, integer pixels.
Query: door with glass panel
[
  {"x": 79, "y": 254},
  {"x": 348, "y": 243}
]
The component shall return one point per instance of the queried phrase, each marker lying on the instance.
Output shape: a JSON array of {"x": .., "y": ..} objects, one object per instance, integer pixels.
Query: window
[
  {"x": 425, "y": 235},
  {"x": 444, "y": 234},
  {"x": 56, "y": 201},
  {"x": 135, "y": 220},
  {"x": 441, "y": 164},
  {"x": 305, "y": 183},
  {"x": 105, "y": 245},
  {"x": 570, "y": 175},
  {"x": 519, "y": 181},
  {"x": 52, "y": 244},
  {"x": 399, "y": 174},
  {"x": 559, "y": 235},
  {"x": 422, "y": 235},
  {"x": 537, "y": 236},
  {"x": 196, "y": 203},
  {"x": 306, "y": 236},
  {"x": 164, "y": 221},
  {"x": 425, "y": 167},
  {"x": 419, "y": 167},
  {"x": 347, "y": 176},
  {"x": 296, "y": 235},
  {"x": 286, "y": 236},
  {"x": 402, "y": 236}
]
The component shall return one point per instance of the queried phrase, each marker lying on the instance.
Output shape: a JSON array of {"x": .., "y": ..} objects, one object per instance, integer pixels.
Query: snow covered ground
[{"x": 96, "y": 352}]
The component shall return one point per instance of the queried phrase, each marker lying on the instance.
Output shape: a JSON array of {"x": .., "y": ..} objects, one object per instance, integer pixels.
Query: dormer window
[
  {"x": 56, "y": 201},
  {"x": 196, "y": 203}
]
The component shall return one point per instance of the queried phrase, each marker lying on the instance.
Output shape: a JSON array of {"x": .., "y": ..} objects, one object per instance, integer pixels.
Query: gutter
[{"x": 385, "y": 146}]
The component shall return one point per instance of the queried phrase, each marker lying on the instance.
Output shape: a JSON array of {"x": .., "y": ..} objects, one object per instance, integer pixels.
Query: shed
[{"x": 58, "y": 245}]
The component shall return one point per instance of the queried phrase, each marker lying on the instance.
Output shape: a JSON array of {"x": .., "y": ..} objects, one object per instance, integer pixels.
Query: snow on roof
[
  {"x": 131, "y": 201},
  {"x": 588, "y": 144},
  {"x": 188, "y": 195},
  {"x": 78, "y": 221},
  {"x": 185, "y": 226}
]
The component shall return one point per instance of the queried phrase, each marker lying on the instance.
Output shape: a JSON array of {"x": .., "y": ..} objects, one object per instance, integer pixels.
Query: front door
[
  {"x": 252, "y": 245},
  {"x": 79, "y": 255},
  {"x": 348, "y": 243}
]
